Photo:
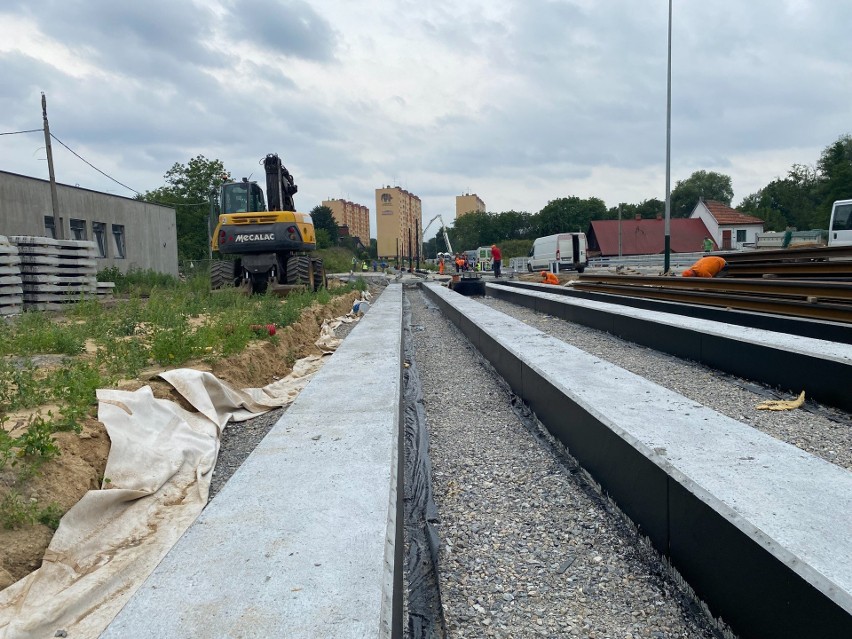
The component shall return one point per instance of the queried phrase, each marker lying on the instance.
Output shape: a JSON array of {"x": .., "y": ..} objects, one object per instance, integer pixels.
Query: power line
[
  {"x": 101, "y": 172},
  {"x": 171, "y": 204},
  {"x": 17, "y": 132},
  {"x": 93, "y": 166}
]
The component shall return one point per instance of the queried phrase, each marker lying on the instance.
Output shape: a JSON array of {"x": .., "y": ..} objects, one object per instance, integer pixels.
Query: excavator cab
[{"x": 242, "y": 197}]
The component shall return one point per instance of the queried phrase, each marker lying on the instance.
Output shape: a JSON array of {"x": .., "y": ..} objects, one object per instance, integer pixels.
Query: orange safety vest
[
  {"x": 706, "y": 267},
  {"x": 549, "y": 278}
]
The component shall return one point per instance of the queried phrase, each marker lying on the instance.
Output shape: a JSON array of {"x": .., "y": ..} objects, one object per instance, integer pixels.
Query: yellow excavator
[{"x": 272, "y": 246}]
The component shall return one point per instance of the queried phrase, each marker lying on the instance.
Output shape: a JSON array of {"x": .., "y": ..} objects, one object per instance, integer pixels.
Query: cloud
[
  {"x": 155, "y": 39},
  {"x": 290, "y": 28}
]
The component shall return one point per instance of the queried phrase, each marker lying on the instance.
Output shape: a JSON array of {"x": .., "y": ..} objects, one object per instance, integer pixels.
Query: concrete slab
[
  {"x": 820, "y": 329},
  {"x": 301, "y": 542},
  {"x": 820, "y": 367},
  {"x": 760, "y": 529}
]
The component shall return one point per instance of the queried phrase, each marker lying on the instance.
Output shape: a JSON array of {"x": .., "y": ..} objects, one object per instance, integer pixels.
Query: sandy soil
[{"x": 81, "y": 464}]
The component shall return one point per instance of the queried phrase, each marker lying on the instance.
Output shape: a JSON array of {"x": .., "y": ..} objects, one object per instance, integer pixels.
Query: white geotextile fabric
[{"x": 159, "y": 470}]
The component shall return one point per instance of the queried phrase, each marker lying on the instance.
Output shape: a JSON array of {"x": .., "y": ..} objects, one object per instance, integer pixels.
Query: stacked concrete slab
[
  {"x": 56, "y": 272},
  {"x": 11, "y": 292}
]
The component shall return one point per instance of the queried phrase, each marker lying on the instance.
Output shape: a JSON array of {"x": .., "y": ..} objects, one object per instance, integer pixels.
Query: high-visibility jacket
[
  {"x": 709, "y": 266},
  {"x": 549, "y": 278},
  {"x": 363, "y": 266}
]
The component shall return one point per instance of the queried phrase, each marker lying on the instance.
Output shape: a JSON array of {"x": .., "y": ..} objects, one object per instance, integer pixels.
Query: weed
[
  {"x": 50, "y": 515},
  {"x": 17, "y": 512},
  {"x": 7, "y": 446},
  {"x": 38, "y": 441}
]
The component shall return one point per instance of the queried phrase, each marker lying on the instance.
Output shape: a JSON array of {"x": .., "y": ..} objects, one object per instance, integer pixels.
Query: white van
[
  {"x": 840, "y": 226},
  {"x": 560, "y": 252}
]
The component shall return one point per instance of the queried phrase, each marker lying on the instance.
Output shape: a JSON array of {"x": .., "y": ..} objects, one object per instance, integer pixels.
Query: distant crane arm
[{"x": 443, "y": 230}]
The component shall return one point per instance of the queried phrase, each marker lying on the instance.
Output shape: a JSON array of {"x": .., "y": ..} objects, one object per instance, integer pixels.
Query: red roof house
[
  {"x": 645, "y": 237},
  {"x": 729, "y": 228}
]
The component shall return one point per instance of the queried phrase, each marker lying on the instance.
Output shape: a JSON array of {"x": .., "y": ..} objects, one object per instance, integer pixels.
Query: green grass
[{"x": 159, "y": 321}]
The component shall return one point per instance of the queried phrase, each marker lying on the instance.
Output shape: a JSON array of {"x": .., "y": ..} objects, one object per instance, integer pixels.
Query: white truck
[
  {"x": 840, "y": 226},
  {"x": 560, "y": 252}
]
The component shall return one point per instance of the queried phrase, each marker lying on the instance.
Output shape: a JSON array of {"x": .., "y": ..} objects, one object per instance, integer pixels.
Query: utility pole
[
  {"x": 58, "y": 226},
  {"x": 668, "y": 241},
  {"x": 619, "y": 230}
]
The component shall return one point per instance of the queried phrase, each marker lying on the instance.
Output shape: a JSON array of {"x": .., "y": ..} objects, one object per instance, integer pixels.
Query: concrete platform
[
  {"x": 761, "y": 530},
  {"x": 303, "y": 541},
  {"x": 821, "y": 368}
]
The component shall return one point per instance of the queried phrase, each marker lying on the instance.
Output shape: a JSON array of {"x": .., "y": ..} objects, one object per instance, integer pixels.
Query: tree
[
  {"x": 324, "y": 219},
  {"x": 569, "y": 215},
  {"x": 757, "y": 204},
  {"x": 512, "y": 225},
  {"x": 470, "y": 231},
  {"x": 191, "y": 189},
  {"x": 708, "y": 185},
  {"x": 835, "y": 174}
]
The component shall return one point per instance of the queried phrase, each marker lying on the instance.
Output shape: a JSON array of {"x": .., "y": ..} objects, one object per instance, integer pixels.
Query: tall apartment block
[
  {"x": 354, "y": 216},
  {"x": 468, "y": 203},
  {"x": 397, "y": 213}
]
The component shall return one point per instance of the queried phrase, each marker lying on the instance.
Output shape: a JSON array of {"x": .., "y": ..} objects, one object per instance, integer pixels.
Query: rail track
[{"x": 810, "y": 299}]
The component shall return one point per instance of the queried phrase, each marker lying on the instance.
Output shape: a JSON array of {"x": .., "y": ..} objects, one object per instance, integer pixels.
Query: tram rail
[{"x": 797, "y": 298}]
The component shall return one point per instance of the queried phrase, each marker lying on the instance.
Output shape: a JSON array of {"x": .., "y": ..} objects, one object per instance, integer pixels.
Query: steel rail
[
  {"x": 762, "y": 304},
  {"x": 796, "y": 269},
  {"x": 821, "y": 290},
  {"x": 808, "y": 253}
]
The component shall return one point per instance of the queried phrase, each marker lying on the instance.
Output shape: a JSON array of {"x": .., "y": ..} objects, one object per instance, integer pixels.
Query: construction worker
[
  {"x": 549, "y": 278},
  {"x": 708, "y": 245},
  {"x": 496, "y": 259},
  {"x": 441, "y": 265},
  {"x": 710, "y": 266},
  {"x": 353, "y": 265},
  {"x": 459, "y": 262},
  {"x": 364, "y": 267}
]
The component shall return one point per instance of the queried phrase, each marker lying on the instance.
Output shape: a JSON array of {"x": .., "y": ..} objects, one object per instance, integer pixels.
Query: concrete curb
[
  {"x": 792, "y": 362},
  {"x": 304, "y": 540},
  {"x": 758, "y": 528}
]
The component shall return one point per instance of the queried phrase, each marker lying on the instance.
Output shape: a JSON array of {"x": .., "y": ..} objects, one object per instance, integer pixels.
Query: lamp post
[{"x": 667, "y": 244}]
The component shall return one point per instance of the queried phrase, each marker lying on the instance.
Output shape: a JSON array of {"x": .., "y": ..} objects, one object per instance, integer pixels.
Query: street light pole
[{"x": 668, "y": 239}]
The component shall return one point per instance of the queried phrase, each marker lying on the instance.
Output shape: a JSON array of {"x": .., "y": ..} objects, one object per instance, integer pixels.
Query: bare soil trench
[{"x": 80, "y": 466}]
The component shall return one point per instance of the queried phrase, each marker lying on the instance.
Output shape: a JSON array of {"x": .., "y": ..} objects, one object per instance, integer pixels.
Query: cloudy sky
[{"x": 519, "y": 101}]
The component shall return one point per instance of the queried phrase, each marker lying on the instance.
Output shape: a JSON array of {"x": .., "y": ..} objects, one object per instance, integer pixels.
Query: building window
[
  {"x": 741, "y": 236},
  {"x": 78, "y": 230},
  {"x": 386, "y": 197},
  {"x": 99, "y": 235},
  {"x": 49, "y": 227},
  {"x": 118, "y": 238}
]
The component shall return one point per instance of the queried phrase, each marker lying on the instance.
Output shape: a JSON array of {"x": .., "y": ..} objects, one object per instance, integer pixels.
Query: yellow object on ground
[{"x": 782, "y": 404}]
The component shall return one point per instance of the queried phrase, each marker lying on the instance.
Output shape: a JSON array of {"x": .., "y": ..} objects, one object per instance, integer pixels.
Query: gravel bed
[
  {"x": 822, "y": 431},
  {"x": 528, "y": 546}
]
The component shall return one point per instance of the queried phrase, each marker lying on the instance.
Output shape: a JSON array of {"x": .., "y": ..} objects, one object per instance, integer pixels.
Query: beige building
[
  {"x": 397, "y": 213},
  {"x": 355, "y": 216},
  {"x": 468, "y": 203}
]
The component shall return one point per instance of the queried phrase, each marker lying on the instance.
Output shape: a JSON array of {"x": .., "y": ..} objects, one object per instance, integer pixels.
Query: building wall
[
  {"x": 149, "y": 230},
  {"x": 468, "y": 203},
  {"x": 355, "y": 216},
  {"x": 716, "y": 230},
  {"x": 751, "y": 231},
  {"x": 397, "y": 212}
]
